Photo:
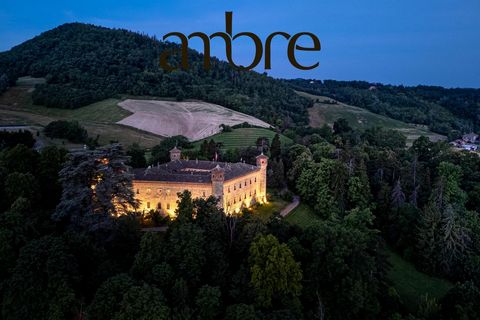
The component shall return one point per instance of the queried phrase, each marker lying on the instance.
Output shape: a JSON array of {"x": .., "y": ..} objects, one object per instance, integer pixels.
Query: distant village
[{"x": 468, "y": 142}]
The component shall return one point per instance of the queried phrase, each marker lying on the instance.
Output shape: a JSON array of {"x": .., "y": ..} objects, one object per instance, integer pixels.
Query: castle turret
[
  {"x": 218, "y": 178},
  {"x": 262, "y": 163},
  {"x": 175, "y": 154}
]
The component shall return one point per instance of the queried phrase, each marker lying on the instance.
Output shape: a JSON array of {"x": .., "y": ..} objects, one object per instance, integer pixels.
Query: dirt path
[{"x": 295, "y": 202}]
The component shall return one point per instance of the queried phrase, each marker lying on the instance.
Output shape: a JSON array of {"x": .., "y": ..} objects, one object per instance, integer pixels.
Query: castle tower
[
  {"x": 218, "y": 177},
  {"x": 262, "y": 163},
  {"x": 175, "y": 154}
]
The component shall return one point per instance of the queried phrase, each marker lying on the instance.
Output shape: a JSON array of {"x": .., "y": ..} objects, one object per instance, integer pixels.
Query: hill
[
  {"x": 83, "y": 64},
  {"x": 194, "y": 119},
  {"x": 445, "y": 111},
  {"x": 326, "y": 111}
]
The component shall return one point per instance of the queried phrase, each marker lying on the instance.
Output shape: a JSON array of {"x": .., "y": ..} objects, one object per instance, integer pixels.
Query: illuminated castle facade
[{"x": 235, "y": 185}]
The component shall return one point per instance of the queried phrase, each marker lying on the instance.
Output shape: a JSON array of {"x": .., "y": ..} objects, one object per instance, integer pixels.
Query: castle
[{"x": 235, "y": 185}]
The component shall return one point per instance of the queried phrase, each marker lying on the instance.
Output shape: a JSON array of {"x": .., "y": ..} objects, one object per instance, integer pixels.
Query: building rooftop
[{"x": 194, "y": 171}]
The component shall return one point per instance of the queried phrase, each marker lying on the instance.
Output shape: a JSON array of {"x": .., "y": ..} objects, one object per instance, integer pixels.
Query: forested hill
[
  {"x": 85, "y": 63},
  {"x": 446, "y": 111}
]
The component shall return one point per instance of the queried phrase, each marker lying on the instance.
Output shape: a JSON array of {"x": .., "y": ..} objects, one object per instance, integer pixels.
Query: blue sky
[{"x": 408, "y": 42}]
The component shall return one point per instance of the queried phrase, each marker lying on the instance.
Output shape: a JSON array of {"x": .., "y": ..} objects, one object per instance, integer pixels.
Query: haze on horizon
[{"x": 398, "y": 42}]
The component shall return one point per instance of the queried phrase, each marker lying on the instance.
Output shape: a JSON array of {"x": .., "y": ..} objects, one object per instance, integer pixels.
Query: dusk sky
[{"x": 406, "y": 42}]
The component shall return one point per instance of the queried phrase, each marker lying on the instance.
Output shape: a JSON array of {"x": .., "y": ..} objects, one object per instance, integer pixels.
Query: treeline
[
  {"x": 446, "y": 111},
  {"x": 70, "y": 130},
  {"x": 10, "y": 139},
  {"x": 85, "y": 63}
]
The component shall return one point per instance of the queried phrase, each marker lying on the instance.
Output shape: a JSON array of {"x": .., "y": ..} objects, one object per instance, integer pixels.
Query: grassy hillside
[
  {"x": 442, "y": 110},
  {"x": 243, "y": 137},
  {"x": 410, "y": 283},
  {"x": 324, "y": 112},
  {"x": 16, "y": 108}
]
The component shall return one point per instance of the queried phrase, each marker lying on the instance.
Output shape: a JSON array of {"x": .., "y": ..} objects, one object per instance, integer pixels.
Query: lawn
[
  {"x": 302, "y": 216},
  {"x": 411, "y": 284},
  {"x": 265, "y": 211},
  {"x": 243, "y": 138}
]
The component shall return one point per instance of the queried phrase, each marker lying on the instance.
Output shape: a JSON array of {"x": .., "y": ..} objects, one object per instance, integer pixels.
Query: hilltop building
[{"x": 235, "y": 185}]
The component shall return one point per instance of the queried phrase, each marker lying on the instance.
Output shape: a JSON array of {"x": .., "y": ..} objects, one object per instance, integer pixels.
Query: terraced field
[{"x": 243, "y": 138}]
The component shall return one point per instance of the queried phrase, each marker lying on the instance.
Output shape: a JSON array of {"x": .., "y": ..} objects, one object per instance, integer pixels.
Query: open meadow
[{"x": 327, "y": 111}]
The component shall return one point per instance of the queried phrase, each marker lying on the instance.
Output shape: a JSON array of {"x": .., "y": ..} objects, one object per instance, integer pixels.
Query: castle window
[
  {"x": 245, "y": 183},
  {"x": 149, "y": 191},
  {"x": 250, "y": 193},
  {"x": 255, "y": 179},
  {"x": 234, "y": 187},
  {"x": 168, "y": 206},
  {"x": 228, "y": 189},
  {"x": 204, "y": 193},
  {"x": 148, "y": 205},
  {"x": 159, "y": 206},
  {"x": 250, "y": 181},
  {"x": 138, "y": 191},
  {"x": 240, "y": 185},
  {"x": 245, "y": 196}
]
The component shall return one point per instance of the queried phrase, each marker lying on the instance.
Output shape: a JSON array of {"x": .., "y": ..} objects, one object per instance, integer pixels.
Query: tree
[
  {"x": 96, "y": 187},
  {"x": 22, "y": 185},
  {"x": 149, "y": 256},
  {"x": 185, "y": 251},
  {"x": 108, "y": 297},
  {"x": 398, "y": 197},
  {"x": 143, "y": 303},
  {"x": 70, "y": 130},
  {"x": 137, "y": 156},
  {"x": 455, "y": 239},
  {"x": 343, "y": 268},
  {"x": 19, "y": 159},
  {"x": 184, "y": 211},
  {"x": 274, "y": 272},
  {"x": 276, "y": 147},
  {"x": 44, "y": 276},
  {"x": 4, "y": 83},
  {"x": 208, "y": 302},
  {"x": 461, "y": 302},
  {"x": 341, "y": 126},
  {"x": 240, "y": 312}
]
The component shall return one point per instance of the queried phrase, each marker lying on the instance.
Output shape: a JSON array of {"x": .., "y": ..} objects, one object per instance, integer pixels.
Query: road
[{"x": 295, "y": 202}]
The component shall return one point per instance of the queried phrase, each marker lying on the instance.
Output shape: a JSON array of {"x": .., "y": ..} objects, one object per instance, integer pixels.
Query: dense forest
[
  {"x": 73, "y": 249},
  {"x": 445, "y": 111},
  {"x": 85, "y": 63}
]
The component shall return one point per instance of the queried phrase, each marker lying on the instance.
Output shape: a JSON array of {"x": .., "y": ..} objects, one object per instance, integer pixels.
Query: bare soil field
[{"x": 194, "y": 120}]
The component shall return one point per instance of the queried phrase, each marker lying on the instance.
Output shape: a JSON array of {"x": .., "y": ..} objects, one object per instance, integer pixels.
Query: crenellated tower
[
  {"x": 175, "y": 154},
  {"x": 262, "y": 163},
  {"x": 218, "y": 178}
]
